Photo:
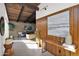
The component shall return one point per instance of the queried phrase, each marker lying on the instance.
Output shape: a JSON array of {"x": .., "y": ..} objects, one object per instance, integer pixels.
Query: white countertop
[{"x": 69, "y": 47}]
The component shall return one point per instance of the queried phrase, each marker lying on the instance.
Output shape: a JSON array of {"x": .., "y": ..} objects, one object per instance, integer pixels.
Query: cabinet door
[
  {"x": 67, "y": 53},
  {"x": 62, "y": 51},
  {"x": 50, "y": 48},
  {"x": 54, "y": 49},
  {"x": 59, "y": 51}
]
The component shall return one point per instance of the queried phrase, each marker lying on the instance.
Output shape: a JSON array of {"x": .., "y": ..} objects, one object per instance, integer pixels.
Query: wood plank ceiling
[{"x": 24, "y": 12}]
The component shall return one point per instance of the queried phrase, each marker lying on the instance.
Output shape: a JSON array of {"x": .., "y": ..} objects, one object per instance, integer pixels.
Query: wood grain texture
[
  {"x": 52, "y": 42},
  {"x": 21, "y": 13},
  {"x": 41, "y": 26}
]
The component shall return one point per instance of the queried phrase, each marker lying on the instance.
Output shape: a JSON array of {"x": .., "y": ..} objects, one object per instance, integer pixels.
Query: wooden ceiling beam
[
  {"x": 30, "y": 18},
  {"x": 24, "y": 11},
  {"x": 32, "y": 6},
  {"x": 22, "y": 8}
]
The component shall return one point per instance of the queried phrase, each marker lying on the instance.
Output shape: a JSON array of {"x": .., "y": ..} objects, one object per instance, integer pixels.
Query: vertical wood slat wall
[
  {"x": 41, "y": 26},
  {"x": 73, "y": 25},
  {"x": 74, "y": 29}
]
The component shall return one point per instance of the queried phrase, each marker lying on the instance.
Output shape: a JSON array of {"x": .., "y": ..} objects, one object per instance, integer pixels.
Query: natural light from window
[{"x": 30, "y": 44}]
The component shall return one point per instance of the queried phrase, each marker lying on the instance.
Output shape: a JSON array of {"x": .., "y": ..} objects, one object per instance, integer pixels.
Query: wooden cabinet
[
  {"x": 60, "y": 51},
  {"x": 67, "y": 53},
  {"x": 57, "y": 50},
  {"x": 49, "y": 48},
  {"x": 55, "y": 39},
  {"x": 41, "y": 26}
]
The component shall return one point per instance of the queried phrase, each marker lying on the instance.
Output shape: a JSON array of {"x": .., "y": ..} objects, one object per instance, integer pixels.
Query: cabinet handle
[{"x": 59, "y": 51}]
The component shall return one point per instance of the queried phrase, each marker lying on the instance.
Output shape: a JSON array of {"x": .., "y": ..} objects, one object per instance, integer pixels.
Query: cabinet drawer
[
  {"x": 57, "y": 50},
  {"x": 63, "y": 52},
  {"x": 60, "y": 51},
  {"x": 67, "y": 53}
]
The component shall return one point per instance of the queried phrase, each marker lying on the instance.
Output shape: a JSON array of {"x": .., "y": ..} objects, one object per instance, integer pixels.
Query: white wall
[
  {"x": 19, "y": 27},
  {"x": 52, "y": 8},
  {"x": 2, "y": 38}
]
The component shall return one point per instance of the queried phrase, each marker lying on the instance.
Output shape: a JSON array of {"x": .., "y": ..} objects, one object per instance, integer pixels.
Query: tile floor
[{"x": 28, "y": 48}]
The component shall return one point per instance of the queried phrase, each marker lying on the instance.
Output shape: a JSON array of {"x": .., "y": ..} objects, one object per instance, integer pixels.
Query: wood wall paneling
[
  {"x": 74, "y": 14},
  {"x": 71, "y": 21},
  {"x": 41, "y": 25},
  {"x": 74, "y": 29},
  {"x": 52, "y": 42},
  {"x": 21, "y": 9}
]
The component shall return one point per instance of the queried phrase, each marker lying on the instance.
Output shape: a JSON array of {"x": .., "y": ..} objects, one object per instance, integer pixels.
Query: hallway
[{"x": 27, "y": 48}]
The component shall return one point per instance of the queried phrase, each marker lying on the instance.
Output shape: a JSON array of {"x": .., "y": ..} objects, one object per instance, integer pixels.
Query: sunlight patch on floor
[
  {"x": 28, "y": 48},
  {"x": 30, "y": 44},
  {"x": 24, "y": 41}
]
